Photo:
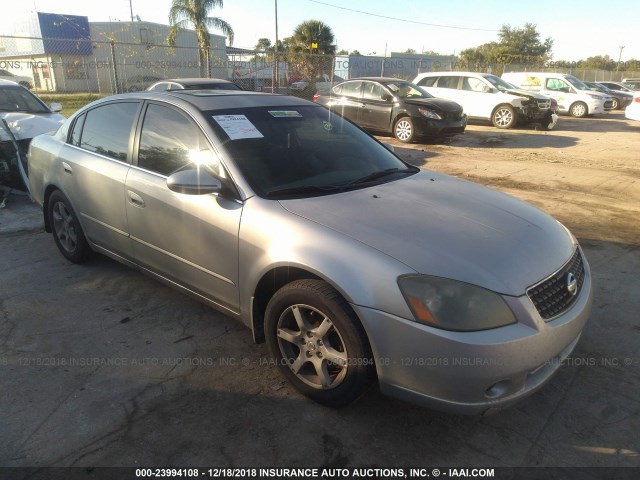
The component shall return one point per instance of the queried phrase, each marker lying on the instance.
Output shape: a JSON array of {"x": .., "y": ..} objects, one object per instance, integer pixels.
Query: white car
[
  {"x": 323, "y": 83},
  {"x": 486, "y": 96},
  {"x": 632, "y": 112},
  {"x": 26, "y": 82},
  {"x": 23, "y": 116}
]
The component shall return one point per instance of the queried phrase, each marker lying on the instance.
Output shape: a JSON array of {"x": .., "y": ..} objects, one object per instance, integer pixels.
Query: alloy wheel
[
  {"x": 64, "y": 227},
  {"x": 312, "y": 347}
]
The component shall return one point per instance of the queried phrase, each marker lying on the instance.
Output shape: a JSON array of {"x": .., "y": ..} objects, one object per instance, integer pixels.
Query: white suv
[{"x": 486, "y": 96}]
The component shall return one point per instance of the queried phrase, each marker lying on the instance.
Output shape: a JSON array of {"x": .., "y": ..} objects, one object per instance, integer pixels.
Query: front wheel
[
  {"x": 615, "y": 104},
  {"x": 318, "y": 343},
  {"x": 404, "y": 130},
  {"x": 579, "y": 110},
  {"x": 504, "y": 117},
  {"x": 66, "y": 229}
]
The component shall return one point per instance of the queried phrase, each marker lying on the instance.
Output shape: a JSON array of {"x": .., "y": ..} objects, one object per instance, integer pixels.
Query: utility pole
[
  {"x": 131, "y": 9},
  {"x": 619, "y": 58},
  {"x": 276, "y": 74}
]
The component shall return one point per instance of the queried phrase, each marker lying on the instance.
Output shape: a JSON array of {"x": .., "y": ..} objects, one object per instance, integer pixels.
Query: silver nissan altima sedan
[{"x": 351, "y": 264}]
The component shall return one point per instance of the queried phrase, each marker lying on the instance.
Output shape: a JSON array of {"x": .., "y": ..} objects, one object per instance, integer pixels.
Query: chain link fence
[{"x": 107, "y": 66}]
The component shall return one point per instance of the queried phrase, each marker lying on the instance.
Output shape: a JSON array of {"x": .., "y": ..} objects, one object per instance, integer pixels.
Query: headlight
[
  {"x": 452, "y": 305},
  {"x": 425, "y": 112},
  {"x": 594, "y": 96}
]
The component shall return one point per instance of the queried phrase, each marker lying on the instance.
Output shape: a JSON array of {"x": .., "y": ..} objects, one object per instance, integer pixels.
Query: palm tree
[
  {"x": 186, "y": 13},
  {"x": 310, "y": 51},
  {"x": 312, "y": 32}
]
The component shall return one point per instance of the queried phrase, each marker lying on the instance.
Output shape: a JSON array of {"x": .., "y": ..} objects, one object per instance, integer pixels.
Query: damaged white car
[{"x": 23, "y": 116}]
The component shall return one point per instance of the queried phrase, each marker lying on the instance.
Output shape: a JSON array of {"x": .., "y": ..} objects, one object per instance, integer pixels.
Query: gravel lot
[{"x": 102, "y": 366}]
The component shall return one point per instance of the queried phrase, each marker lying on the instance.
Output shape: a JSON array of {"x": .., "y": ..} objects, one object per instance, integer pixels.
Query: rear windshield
[{"x": 278, "y": 148}]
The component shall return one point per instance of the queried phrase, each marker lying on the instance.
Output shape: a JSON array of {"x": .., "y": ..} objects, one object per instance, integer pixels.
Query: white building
[{"x": 67, "y": 53}]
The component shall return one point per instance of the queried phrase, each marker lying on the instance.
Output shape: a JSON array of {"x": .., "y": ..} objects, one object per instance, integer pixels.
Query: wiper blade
[
  {"x": 304, "y": 189},
  {"x": 377, "y": 175}
]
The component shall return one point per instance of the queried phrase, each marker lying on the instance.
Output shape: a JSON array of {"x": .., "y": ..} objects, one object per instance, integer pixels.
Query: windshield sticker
[
  {"x": 285, "y": 114},
  {"x": 237, "y": 126},
  {"x": 327, "y": 126}
]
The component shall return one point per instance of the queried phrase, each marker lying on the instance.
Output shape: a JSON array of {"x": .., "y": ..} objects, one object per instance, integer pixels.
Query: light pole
[
  {"x": 619, "y": 58},
  {"x": 276, "y": 75}
]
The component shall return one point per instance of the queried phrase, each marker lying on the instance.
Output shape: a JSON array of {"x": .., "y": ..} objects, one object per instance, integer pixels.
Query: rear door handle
[
  {"x": 135, "y": 199},
  {"x": 67, "y": 168}
]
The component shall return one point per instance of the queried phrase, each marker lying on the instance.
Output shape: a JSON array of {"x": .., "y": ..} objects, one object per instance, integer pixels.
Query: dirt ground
[{"x": 102, "y": 366}]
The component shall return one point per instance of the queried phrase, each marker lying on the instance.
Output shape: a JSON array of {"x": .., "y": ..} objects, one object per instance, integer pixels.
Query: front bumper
[
  {"x": 427, "y": 127},
  {"x": 473, "y": 372},
  {"x": 596, "y": 106}
]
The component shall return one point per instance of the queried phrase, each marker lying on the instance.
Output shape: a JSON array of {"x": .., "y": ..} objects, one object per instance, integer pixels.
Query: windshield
[
  {"x": 302, "y": 151},
  {"x": 17, "y": 99},
  {"x": 575, "y": 82},
  {"x": 404, "y": 89},
  {"x": 499, "y": 83}
]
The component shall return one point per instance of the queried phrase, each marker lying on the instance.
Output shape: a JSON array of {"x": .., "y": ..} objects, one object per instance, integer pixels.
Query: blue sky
[{"x": 579, "y": 28}]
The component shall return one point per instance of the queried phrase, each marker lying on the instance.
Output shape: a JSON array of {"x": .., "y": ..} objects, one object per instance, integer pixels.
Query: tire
[
  {"x": 504, "y": 116},
  {"x": 404, "y": 130},
  {"x": 579, "y": 110},
  {"x": 615, "y": 104},
  {"x": 318, "y": 342},
  {"x": 66, "y": 229}
]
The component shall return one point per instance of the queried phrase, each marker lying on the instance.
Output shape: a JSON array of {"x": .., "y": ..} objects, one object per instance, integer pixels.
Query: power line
[{"x": 386, "y": 17}]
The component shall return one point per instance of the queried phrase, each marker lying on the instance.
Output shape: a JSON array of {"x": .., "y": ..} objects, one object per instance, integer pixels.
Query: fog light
[{"x": 499, "y": 389}]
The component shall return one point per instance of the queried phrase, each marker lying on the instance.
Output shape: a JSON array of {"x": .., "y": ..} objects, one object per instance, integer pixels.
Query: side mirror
[
  {"x": 388, "y": 146},
  {"x": 56, "y": 107},
  {"x": 193, "y": 182}
]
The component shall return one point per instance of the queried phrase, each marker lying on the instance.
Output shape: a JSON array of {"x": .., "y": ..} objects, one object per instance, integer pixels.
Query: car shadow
[{"x": 513, "y": 139}]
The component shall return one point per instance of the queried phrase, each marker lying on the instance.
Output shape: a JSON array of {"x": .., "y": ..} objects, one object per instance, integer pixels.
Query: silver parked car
[{"x": 350, "y": 263}]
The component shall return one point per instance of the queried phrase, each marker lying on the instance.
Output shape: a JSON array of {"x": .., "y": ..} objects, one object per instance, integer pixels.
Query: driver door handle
[{"x": 135, "y": 199}]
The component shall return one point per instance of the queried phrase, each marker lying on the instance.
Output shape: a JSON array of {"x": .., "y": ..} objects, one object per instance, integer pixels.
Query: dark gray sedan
[
  {"x": 353, "y": 265},
  {"x": 395, "y": 106}
]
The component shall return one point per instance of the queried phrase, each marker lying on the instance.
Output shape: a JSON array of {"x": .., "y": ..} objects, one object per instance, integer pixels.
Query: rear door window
[
  {"x": 428, "y": 81},
  {"x": 448, "y": 82},
  {"x": 107, "y": 129},
  {"x": 349, "y": 89}
]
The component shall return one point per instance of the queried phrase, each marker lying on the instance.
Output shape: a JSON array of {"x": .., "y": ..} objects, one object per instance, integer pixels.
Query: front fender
[{"x": 271, "y": 237}]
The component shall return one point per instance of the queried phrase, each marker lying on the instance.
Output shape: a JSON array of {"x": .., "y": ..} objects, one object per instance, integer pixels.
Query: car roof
[
  {"x": 195, "y": 81},
  {"x": 9, "y": 83},
  {"x": 378, "y": 79},
  {"x": 207, "y": 100},
  {"x": 450, "y": 74}
]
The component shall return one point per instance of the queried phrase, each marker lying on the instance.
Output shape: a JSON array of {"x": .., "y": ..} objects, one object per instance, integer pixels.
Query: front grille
[
  {"x": 452, "y": 115},
  {"x": 544, "y": 104},
  {"x": 552, "y": 297}
]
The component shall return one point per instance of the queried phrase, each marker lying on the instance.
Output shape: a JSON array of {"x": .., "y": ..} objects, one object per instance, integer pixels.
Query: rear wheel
[
  {"x": 404, "y": 130},
  {"x": 504, "y": 117},
  {"x": 66, "y": 229},
  {"x": 615, "y": 104},
  {"x": 579, "y": 109},
  {"x": 318, "y": 343}
]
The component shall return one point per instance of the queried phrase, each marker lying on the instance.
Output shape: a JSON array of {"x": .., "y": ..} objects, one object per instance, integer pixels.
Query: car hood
[
  {"x": 526, "y": 94},
  {"x": 437, "y": 103},
  {"x": 443, "y": 226},
  {"x": 29, "y": 125}
]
